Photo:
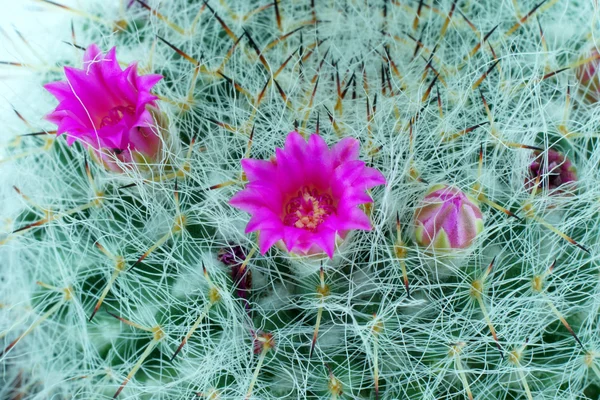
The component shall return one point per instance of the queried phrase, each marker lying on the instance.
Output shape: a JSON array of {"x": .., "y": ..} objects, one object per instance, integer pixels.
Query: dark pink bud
[
  {"x": 554, "y": 171},
  {"x": 234, "y": 257}
]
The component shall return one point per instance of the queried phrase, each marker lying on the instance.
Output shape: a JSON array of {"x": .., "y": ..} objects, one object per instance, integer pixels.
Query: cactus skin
[{"x": 131, "y": 299}]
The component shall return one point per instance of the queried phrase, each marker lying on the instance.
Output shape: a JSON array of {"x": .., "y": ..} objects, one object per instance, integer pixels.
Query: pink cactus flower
[
  {"x": 108, "y": 109},
  {"x": 447, "y": 219},
  {"x": 307, "y": 196},
  {"x": 554, "y": 171},
  {"x": 589, "y": 78}
]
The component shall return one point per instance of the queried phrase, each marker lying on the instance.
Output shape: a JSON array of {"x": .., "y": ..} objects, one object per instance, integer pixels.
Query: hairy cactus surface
[{"x": 261, "y": 222}]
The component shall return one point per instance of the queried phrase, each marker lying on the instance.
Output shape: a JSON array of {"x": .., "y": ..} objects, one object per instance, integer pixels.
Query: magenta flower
[
  {"x": 447, "y": 219},
  {"x": 554, "y": 171},
  {"x": 108, "y": 109},
  {"x": 307, "y": 196},
  {"x": 589, "y": 80}
]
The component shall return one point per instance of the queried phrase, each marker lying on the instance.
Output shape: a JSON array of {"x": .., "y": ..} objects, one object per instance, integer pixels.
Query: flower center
[
  {"x": 308, "y": 209},
  {"x": 116, "y": 114}
]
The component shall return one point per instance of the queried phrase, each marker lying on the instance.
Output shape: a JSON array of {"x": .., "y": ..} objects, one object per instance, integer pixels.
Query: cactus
[{"x": 134, "y": 277}]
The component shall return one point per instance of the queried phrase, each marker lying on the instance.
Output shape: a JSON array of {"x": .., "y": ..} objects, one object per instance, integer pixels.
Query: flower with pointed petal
[
  {"x": 108, "y": 109},
  {"x": 307, "y": 195},
  {"x": 447, "y": 219}
]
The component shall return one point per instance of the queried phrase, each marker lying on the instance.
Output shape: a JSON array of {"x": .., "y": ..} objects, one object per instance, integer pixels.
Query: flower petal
[
  {"x": 252, "y": 199},
  {"x": 258, "y": 170},
  {"x": 91, "y": 53},
  {"x": 352, "y": 198},
  {"x": 267, "y": 238},
  {"x": 60, "y": 89},
  {"x": 146, "y": 82},
  {"x": 290, "y": 175},
  {"x": 291, "y": 237},
  {"x": 263, "y": 220},
  {"x": 371, "y": 177},
  {"x": 326, "y": 241},
  {"x": 318, "y": 171},
  {"x": 295, "y": 146},
  {"x": 346, "y": 150},
  {"x": 354, "y": 218},
  {"x": 345, "y": 175}
]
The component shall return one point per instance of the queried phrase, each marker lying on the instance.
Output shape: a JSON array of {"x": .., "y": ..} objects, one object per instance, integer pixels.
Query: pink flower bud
[
  {"x": 447, "y": 219},
  {"x": 108, "y": 110}
]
